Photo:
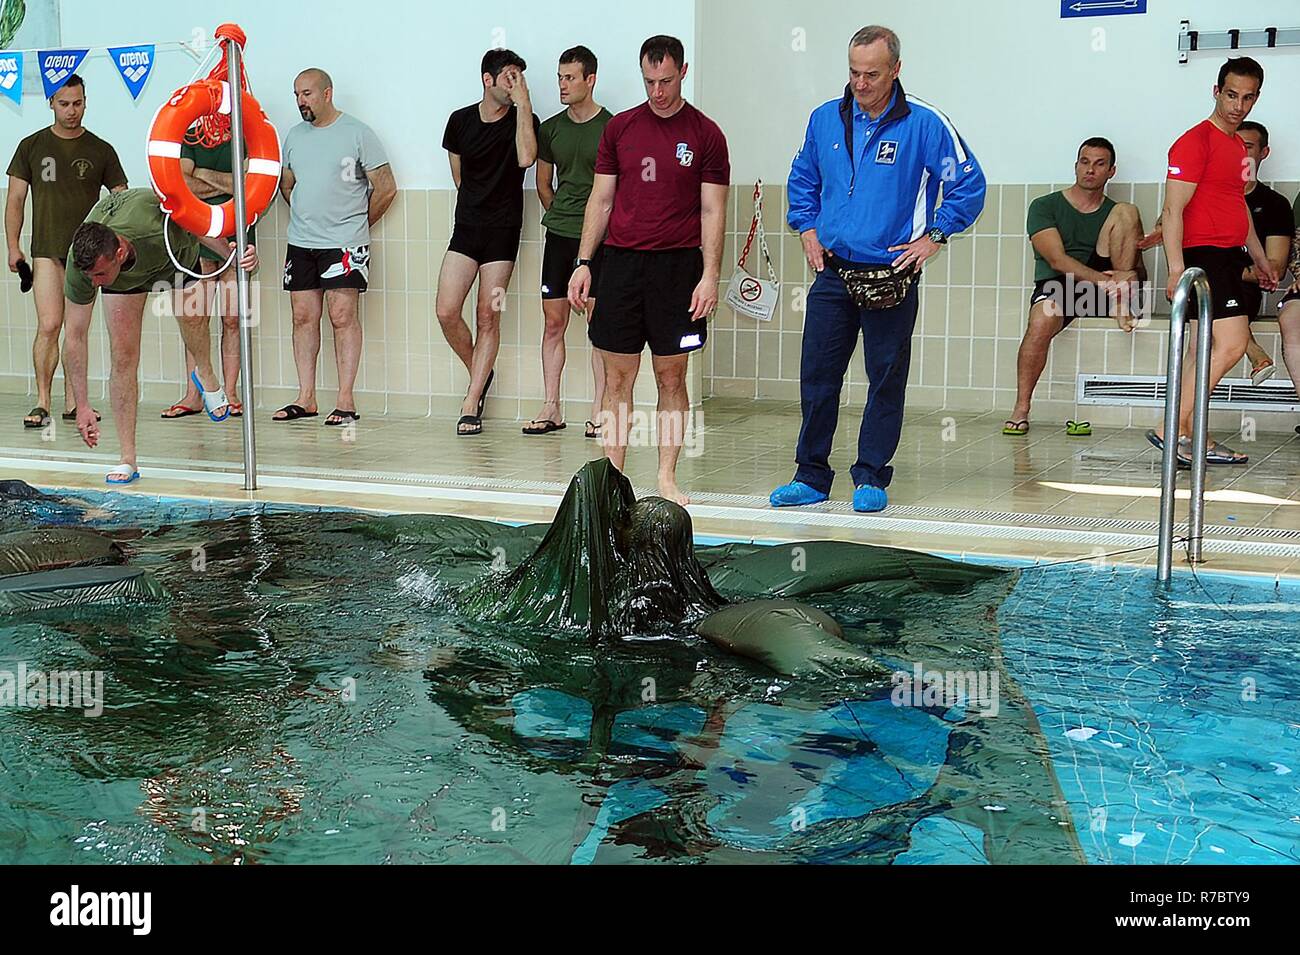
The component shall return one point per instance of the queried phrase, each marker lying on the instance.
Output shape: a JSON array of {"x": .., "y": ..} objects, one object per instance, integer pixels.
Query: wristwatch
[
  {"x": 579, "y": 263},
  {"x": 936, "y": 236}
]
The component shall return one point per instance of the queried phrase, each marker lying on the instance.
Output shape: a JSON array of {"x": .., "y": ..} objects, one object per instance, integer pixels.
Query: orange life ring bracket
[{"x": 166, "y": 135}]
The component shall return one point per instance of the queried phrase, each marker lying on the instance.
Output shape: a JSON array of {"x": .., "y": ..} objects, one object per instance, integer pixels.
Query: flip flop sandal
[
  {"x": 236, "y": 410},
  {"x": 1013, "y": 428},
  {"x": 1157, "y": 442},
  {"x": 1078, "y": 429},
  {"x": 545, "y": 426},
  {"x": 179, "y": 410},
  {"x": 122, "y": 474},
  {"x": 294, "y": 412},
  {"x": 1262, "y": 372},
  {"x": 24, "y": 276},
  {"x": 343, "y": 416},
  {"x": 594, "y": 432},
  {"x": 469, "y": 419},
  {"x": 1221, "y": 454},
  {"x": 72, "y": 415},
  {"x": 482, "y": 398},
  {"x": 37, "y": 412},
  {"x": 212, "y": 400}
]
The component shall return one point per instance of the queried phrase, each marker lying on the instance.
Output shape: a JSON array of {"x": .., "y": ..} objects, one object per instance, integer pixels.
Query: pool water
[{"x": 308, "y": 695}]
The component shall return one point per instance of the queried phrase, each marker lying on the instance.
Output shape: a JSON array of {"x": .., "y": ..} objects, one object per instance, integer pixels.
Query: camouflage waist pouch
[{"x": 876, "y": 288}]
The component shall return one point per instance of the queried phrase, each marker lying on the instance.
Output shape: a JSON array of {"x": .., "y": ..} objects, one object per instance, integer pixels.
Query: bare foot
[{"x": 669, "y": 490}]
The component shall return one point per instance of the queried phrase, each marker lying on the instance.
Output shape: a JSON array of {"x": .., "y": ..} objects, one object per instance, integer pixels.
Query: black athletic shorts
[
  {"x": 486, "y": 244},
  {"x": 1230, "y": 294},
  {"x": 1287, "y": 299},
  {"x": 179, "y": 280},
  {"x": 308, "y": 269},
  {"x": 645, "y": 298},
  {"x": 1074, "y": 299},
  {"x": 558, "y": 258}
]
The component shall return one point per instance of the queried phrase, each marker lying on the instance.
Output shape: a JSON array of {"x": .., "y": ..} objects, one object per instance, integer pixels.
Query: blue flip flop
[
  {"x": 122, "y": 474},
  {"x": 212, "y": 399}
]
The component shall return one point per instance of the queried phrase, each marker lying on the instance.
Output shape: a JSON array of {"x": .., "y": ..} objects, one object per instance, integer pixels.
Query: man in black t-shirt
[
  {"x": 490, "y": 143},
  {"x": 1274, "y": 224}
]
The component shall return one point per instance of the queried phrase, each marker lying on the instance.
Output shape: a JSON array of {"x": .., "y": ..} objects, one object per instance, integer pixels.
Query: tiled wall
[
  {"x": 407, "y": 367},
  {"x": 973, "y": 312},
  {"x": 974, "y": 305}
]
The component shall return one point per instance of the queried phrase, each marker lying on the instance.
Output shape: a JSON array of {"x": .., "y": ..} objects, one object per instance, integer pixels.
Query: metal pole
[
  {"x": 233, "y": 56},
  {"x": 1200, "y": 416},
  {"x": 1193, "y": 279}
]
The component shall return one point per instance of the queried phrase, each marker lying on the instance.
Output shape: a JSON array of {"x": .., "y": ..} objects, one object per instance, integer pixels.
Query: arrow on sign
[{"x": 1106, "y": 5}]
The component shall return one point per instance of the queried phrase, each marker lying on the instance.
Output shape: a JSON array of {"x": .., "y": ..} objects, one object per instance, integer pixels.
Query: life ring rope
[
  {"x": 167, "y": 243},
  {"x": 167, "y": 135},
  {"x": 199, "y": 113}
]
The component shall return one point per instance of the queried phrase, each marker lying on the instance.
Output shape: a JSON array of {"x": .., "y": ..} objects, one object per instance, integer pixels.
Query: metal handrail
[
  {"x": 233, "y": 56},
  {"x": 1192, "y": 280}
]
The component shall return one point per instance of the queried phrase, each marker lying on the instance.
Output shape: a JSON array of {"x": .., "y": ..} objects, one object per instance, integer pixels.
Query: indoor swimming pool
[{"x": 310, "y": 688}]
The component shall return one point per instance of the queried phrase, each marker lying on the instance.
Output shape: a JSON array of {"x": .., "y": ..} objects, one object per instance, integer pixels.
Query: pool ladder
[{"x": 1192, "y": 280}]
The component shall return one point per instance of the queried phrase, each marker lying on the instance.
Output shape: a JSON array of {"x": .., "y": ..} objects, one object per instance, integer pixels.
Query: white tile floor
[{"x": 959, "y": 486}]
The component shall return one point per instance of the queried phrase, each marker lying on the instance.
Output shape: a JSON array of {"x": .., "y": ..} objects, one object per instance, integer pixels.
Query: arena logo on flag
[
  {"x": 11, "y": 74},
  {"x": 135, "y": 64},
  {"x": 57, "y": 66}
]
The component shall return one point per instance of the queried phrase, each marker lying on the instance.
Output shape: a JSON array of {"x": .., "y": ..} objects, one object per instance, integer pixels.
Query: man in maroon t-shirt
[
  {"x": 659, "y": 203},
  {"x": 1206, "y": 223}
]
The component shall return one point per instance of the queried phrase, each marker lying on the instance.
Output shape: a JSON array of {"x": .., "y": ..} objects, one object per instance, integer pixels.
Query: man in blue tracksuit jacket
[{"x": 863, "y": 191}]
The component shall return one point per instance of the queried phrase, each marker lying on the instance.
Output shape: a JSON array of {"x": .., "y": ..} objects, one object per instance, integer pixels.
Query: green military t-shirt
[
  {"x": 65, "y": 176},
  {"x": 571, "y": 148},
  {"x": 218, "y": 159},
  {"x": 135, "y": 215},
  {"x": 1079, "y": 230}
]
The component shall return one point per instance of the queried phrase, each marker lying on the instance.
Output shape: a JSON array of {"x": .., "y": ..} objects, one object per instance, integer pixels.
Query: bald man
[{"x": 338, "y": 183}]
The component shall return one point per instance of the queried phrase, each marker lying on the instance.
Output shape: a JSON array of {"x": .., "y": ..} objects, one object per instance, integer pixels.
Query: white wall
[
  {"x": 1023, "y": 86},
  {"x": 400, "y": 65}
]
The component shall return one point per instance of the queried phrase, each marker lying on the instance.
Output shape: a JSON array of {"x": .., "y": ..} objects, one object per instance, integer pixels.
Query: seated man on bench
[{"x": 1086, "y": 263}]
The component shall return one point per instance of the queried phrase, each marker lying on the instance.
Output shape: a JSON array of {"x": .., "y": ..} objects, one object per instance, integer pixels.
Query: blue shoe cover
[
  {"x": 796, "y": 493},
  {"x": 868, "y": 498}
]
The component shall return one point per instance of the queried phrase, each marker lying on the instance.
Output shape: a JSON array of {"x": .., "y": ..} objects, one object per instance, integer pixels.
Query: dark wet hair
[{"x": 91, "y": 242}]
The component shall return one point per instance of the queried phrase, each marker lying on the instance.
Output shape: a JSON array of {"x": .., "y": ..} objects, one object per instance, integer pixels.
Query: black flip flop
[
  {"x": 24, "y": 276},
  {"x": 293, "y": 413},
  {"x": 346, "y": 416},
  {"x": 72, "y": 415},
  {"x": 1157, "y": 442},
  {"x": 547, "y": 426},
  {"x": 37, "y": 412},
  {"x": 593, "y": 430},
  {"x": 473, "y": 419},
  {"x": 482, "y": 398}
]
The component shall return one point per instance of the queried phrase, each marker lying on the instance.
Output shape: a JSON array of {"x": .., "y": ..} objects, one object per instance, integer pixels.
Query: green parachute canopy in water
[
  {"x": 75, "y": 587},
  {"x": 609, "y": 565},
  {"x": 700, "y": 698}
]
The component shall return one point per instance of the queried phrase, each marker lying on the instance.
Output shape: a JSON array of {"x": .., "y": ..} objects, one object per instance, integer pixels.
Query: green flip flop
[{"x": 1078, "y": 429}]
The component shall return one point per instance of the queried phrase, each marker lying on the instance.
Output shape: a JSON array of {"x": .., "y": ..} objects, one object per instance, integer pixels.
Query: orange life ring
[{"x": 167, "y": 133}]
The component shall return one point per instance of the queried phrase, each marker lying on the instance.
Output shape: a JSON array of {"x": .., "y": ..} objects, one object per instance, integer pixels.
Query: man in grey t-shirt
[{"x": 338, "y": 183}]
